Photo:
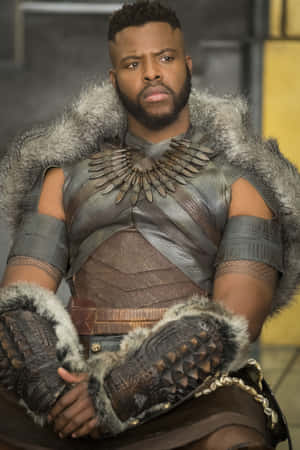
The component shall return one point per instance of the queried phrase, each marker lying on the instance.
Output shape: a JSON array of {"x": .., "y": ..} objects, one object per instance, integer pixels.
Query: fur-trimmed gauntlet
[
  {"x": 36, "y": 338},
  {"x": 158, "y": 369},
  {"x": 28, "y": 359}
]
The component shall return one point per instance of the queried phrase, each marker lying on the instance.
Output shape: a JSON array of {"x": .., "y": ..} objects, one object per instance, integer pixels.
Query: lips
[{"x": 155, "y": 94}]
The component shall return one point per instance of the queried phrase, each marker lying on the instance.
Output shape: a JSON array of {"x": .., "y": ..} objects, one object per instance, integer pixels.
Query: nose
[{"x": 151, "y": 71}]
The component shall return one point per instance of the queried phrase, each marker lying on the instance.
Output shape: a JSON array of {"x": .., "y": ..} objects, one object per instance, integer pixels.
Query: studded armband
[{"x": 168, "y": 365}]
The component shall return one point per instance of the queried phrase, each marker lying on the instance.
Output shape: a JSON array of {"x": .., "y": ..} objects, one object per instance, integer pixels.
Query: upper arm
[
  {"x": 51, "y": 198},
  {"x": 246, "y": 287},
  {"x": 24, "y": 268},
  {"x": 246, "y": 201}
]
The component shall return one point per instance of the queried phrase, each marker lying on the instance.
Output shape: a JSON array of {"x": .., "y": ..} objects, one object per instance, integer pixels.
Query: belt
[
  {"x": 94, "y": 320},
  {"x": 95, "y": 344}
]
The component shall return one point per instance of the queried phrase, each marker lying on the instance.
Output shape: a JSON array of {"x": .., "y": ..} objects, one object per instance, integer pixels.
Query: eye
[
  {"x": 167, "y": 58},
  {"x": 133, "y": 65}
]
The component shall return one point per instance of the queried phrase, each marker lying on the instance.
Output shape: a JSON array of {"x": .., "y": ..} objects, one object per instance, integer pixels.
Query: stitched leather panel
[
  {"x": 254, "y": 239},
  {"x": 199, "y": 212},
  {"x": 194, "y": 261},
  {"x": 44, "y": 238},
  {"x": 185, "y": 229},
  {"x": 126, "y": 272}
]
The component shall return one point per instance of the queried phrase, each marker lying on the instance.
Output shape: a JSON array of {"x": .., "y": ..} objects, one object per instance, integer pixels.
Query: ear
[
  {"x": 112, "y": 77},
  {"x": 189, "y": 62}
]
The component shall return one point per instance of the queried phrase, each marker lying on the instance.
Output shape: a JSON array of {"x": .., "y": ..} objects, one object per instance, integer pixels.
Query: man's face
[{"x": 151, "y": 73}]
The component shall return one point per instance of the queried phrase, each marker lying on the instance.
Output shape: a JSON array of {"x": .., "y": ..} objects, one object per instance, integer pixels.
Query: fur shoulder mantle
[{"x": 98, "y": 115}]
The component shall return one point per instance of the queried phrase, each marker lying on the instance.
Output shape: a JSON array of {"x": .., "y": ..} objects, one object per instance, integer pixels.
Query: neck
[{"x": 180, "y": 126}]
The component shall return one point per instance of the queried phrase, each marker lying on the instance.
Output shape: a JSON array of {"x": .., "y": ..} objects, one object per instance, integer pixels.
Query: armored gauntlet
[
  {"x": 29, "y": 359},
  {"x": 36, "y": 338},
  {"x": 169, "y": 365}
]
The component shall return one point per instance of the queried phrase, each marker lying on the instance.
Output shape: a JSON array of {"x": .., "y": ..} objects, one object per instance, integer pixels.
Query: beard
[{"x": 157, "y": 121}]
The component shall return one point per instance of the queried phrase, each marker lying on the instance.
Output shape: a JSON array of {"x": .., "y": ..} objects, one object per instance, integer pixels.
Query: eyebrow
[{"x": 168, "y": 49}]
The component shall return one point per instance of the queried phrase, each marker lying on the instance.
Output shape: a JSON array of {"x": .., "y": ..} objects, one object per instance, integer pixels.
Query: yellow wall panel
[
  {"x": 275, "y": 14},
  {"x": 281, "y": 119},
  {"x": 281, "y": 100},
  {"x": 293, "y": 18},
  {"x": 284, "y": 328}
]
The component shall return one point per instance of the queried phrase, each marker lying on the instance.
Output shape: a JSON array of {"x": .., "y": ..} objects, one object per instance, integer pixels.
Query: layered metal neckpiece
[{"x": 133, "y": 172}]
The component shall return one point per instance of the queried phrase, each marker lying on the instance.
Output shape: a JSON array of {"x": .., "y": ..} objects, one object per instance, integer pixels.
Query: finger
[
  {"x": 71, "y": 377},
  {"x": 86, "y": 428},
  {"x": 66, "y": 416},
  {"x": 66, "y": 400},
  {"x": 78, "y": 422}
]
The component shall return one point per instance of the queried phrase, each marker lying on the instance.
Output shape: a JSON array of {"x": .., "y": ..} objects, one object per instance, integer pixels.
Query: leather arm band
[
  {"x": 43, "y": 238},
  {"x": 159, "y": 369},
  {"x": 253, "y": 239}
]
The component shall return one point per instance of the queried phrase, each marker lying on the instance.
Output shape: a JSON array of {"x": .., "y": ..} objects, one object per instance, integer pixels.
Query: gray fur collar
[{"x": 98, "y": 114}]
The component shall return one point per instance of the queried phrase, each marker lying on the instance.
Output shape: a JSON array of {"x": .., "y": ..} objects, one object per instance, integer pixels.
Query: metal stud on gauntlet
[{"x": 168, "y": 367}]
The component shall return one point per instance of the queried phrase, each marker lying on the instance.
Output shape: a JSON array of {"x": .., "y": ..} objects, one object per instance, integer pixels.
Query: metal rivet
[
  {"x": 134, "y": 422},
  {"x": 96, "y": 347}
]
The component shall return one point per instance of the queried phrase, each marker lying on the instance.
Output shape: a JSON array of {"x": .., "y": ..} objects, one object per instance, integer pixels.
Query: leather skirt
[
  {"x": 191, "y": 422},
  {"x": 188, "y": 426}
]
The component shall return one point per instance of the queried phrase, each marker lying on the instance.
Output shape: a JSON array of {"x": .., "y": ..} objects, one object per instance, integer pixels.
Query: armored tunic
[{"x": 130, "y": 261}]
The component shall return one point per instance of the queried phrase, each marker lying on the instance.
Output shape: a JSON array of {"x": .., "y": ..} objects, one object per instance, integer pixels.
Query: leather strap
[{"x": 93, "y": 320}]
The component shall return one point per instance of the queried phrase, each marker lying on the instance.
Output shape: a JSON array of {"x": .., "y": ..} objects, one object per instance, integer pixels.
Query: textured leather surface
[
  {"x": 192, "y": 217},
  {"x": 254, "y": 239},
  {"x": 124, "y": 284},
  {"x": 194, "y": 420},
  {"x": 169, "y": 365},
  {"x": 28, "y": 360},
  {"x": 42, "y": 237}
]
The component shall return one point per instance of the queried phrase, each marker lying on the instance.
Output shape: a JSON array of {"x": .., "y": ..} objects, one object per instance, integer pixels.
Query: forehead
[{"x": 151, "y": 37}]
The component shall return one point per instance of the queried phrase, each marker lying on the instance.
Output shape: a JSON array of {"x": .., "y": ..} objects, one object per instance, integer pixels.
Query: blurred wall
[
  {"x": 64, "y": 51},
  {"x": 281, "y": 112}
]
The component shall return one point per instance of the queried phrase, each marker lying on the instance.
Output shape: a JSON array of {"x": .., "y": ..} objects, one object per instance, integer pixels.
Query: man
[{"x": 166, "y": 219}]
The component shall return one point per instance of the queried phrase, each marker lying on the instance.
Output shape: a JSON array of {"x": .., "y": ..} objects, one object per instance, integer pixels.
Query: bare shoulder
[
  {"x": 247, "y": 201},
  {"x": 51, "y": 199}
]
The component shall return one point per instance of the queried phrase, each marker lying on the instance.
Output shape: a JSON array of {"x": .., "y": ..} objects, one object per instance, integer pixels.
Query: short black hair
[{"x": 140, "y": 13}]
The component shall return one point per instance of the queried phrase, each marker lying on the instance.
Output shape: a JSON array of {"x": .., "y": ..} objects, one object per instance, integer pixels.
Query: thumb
[{"x": 71, "y": 377}]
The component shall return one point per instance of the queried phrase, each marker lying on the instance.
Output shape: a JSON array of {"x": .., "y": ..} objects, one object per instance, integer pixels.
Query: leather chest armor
[{"x": 131, "y": 255}]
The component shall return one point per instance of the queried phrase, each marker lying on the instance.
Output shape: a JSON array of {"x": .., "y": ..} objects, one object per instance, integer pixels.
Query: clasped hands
[{"x": 74, "y": 414}]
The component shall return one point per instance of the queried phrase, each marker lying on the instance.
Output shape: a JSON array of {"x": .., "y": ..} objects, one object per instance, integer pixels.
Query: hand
[{"x": 74, "y": 413}]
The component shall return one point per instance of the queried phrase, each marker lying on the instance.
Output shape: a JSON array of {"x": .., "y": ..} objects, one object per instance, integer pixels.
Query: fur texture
[
  {"x": 47, "y": 305},
  {"x": 98, "y": 115},
  {"x": 200, "y": 307}
]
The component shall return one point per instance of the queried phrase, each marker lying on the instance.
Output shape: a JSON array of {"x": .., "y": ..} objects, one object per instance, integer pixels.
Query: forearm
[
  {"x": 36, "y": 338},
  {"x": 247, "y": 290},
  {"x": 158, "y": 369},
  {"x": 36, "y": 272}
]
